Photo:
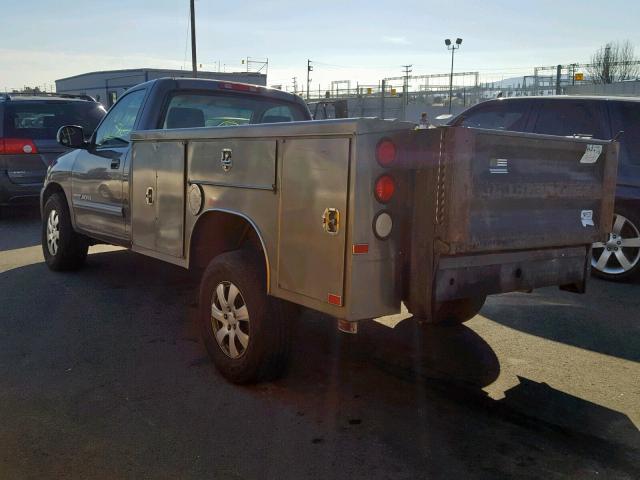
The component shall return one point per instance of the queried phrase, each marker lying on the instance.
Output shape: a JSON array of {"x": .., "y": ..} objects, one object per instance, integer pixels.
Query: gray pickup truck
[{"x": 349, "y": 217}]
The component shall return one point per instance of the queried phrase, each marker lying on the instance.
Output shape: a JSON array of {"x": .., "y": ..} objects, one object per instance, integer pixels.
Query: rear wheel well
[{"x": 218, "y": 232}]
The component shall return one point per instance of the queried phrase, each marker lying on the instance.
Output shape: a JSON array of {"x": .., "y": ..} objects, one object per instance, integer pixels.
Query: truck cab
[{"x": 95, "y": 176}]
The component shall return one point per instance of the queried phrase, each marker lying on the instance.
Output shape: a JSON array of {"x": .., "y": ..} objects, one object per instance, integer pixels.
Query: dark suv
[
  {"x": 597, "y": 117},
  {"x": 28, "y": 128}
]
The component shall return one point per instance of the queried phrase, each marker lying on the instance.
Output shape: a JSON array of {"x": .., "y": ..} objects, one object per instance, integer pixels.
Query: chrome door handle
[{"x": 149, "y": 196}]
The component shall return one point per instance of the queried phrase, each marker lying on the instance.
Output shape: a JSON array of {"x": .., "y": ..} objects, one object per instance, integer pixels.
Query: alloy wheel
[
  {"x": 621, "y": 252},
  {"x": 53, "y": 232},
  {"x": 230, "y": 319}
]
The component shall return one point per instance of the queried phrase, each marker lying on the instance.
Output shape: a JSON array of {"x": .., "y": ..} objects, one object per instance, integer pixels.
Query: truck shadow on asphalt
[
  {"x": 401, "y": 403},
  {"x": 601, "y": 320}
]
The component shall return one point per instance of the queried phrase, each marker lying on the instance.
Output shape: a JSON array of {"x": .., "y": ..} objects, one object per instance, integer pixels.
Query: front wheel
[
  {"x": 618, "y": 258},
  {"x": 62, "y": 247},
  {"x": 244, "y": 330}
]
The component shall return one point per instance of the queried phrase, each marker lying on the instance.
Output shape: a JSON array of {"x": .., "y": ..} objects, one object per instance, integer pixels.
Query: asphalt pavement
[{"x": 103, "y": 376}]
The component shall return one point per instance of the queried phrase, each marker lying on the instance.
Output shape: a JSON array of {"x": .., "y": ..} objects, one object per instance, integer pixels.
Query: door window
[
  {"x": 120, "y": 120},
  {"x": 626, "y": 117},
  {"x": 500, "y": 115},
  {"x": 567, "y": 118}
]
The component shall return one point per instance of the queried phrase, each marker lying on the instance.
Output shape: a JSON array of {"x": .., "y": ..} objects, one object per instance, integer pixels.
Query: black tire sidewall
[
  {"x": 454, "y": 312},
  {"x": 72, "y": 250},
  {"x": 244, "y": 270}
]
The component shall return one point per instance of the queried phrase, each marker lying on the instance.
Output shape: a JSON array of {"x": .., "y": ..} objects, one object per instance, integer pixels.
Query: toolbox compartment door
[
  {"x": 314, "y": 185},
  {"x": 157, "y": 198}
]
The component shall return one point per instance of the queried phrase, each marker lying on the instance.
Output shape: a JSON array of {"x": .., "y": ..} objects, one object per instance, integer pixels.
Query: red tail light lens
[
  {"x": 385, "y": 188},
  {"x": 17, "y": 146},
  {"x": 386, "y": 152}
]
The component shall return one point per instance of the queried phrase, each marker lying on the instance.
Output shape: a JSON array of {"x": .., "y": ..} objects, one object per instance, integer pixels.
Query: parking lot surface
[{"x": 102, "y": 375}]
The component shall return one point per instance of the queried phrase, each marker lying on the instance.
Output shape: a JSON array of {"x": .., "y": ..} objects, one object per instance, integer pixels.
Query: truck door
[
  {"x": 98, "y": 171},
  {"x": 313, "y": 217}
]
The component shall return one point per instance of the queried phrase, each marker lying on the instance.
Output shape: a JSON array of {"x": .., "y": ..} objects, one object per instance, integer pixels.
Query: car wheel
[
  {"x": 62, "y": 247},
  {"x": 456, "y": 311},
  {"x": 246, "y": 332},
  {"x": 618, "y": 258}
]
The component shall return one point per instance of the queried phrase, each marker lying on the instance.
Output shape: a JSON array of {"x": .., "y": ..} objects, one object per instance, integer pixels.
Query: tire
[
  {"x": 62, "y": 247},
  {"x": 246, "y": 332},
  {"x": 618, "y": 259},
  {"x": 454, "y": 312}
]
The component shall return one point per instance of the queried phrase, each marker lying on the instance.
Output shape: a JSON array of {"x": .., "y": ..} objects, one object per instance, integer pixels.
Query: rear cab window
[
  {"x": 572, "y": 118},
  {"x": 215, "y": 109},
  {"x": 42, "y": 119},
  {"x": 505, "y": 115},
  {"x": 625, "y": 117}
]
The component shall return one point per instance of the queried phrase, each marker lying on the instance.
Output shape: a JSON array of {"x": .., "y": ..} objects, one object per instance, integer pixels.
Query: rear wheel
[
  {"x": 618, "y": 258},
  {"x": 457, "y": 311},
  {"x": 63, "y": 248},
  {"x": 246, "y": 332}
]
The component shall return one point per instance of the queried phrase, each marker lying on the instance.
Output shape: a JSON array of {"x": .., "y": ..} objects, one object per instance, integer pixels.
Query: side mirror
[{"x": 71, "y": 136}]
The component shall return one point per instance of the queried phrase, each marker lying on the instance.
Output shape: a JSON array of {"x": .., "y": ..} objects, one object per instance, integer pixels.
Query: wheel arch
[
  {"x": 50, "y": 189},
  {"x": 240, "y": 231}
]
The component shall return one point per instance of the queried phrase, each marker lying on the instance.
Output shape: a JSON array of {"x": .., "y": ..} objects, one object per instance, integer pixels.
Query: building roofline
[{"x": 144, "y": 69}]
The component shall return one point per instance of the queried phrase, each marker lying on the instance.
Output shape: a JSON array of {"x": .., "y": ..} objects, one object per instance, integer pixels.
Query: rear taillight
[
  {"x": 386, "y": 152},
  {"x": 17, "y": 146},
  {"x": 384, "y": 188}
]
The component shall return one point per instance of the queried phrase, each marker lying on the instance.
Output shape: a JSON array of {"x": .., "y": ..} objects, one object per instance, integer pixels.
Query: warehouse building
[{"x": 107, "y": 86}]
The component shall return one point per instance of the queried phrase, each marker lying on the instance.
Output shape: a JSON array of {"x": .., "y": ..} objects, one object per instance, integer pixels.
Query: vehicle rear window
[
  {"x": 500, "y": 115},
  {"x": 626, "y": 117},
  {"x": 41, "y": 120},
  {"x": 220, "y": 110},
  {"x": 567, "y": 118}
]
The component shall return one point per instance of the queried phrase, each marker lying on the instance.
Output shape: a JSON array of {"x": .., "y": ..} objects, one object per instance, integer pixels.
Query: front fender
[{"x": 59, "y": 175}]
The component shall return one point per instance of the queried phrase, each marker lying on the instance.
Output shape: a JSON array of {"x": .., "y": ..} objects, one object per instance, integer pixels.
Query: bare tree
[{"x": 614, "y": 62}]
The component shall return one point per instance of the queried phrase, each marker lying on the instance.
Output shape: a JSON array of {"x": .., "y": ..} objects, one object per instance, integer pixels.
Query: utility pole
[
  {"x": 407, "y": 71},
  {"x": 309, "y": 70},
  {"x": 295, "y": 85},
  {"x": 382, "y": 90},
  {"x": 558, "y": 79},
  {"x": 194, "y": 63}
]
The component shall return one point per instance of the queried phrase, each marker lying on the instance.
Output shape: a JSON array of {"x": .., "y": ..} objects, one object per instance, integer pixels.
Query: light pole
[
  {"x": 194, "y": 63},
  {"x": 453, "y": 47}
]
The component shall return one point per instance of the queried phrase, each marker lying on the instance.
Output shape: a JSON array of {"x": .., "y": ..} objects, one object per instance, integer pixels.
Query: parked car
[
  {"x": 28, "y": 128},
  {"x": 598, "y": 117}
]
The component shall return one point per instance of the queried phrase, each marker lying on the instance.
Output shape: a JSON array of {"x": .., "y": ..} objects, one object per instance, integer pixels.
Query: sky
[{"x": 363, "y": 41}]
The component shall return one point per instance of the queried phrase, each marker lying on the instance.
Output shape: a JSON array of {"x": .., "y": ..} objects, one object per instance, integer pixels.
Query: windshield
[{"x": 42, "y": 119}]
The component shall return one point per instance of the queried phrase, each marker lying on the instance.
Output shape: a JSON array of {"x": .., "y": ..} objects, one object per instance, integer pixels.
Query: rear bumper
[
  {"x": 485, "y": 274},
  {"x": 12, "y": 193}
]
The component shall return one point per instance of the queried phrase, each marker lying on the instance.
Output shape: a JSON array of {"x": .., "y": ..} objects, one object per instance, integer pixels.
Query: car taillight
[
  {"x": 17, "y": 146},
  {"x": 385, "y": 188},
  {"x": 386, "y": 152}
]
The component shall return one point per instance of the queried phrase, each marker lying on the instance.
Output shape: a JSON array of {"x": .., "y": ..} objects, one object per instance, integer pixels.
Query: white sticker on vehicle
[
  {"x": 591, "y": 154},
  {"x": 586, "y": 216}
]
